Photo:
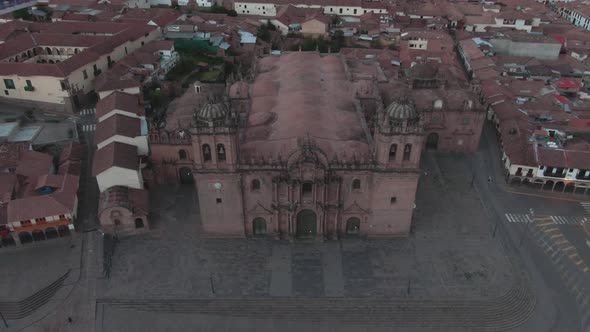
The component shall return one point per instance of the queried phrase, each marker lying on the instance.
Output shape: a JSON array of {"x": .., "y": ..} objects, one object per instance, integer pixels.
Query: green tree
[
  {"x": 22, "y": 13},
  {"x": 338, "y": 41}
]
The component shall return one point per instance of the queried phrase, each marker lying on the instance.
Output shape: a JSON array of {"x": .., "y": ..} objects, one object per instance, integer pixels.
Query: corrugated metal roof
[{"x": 247, "y": 37}]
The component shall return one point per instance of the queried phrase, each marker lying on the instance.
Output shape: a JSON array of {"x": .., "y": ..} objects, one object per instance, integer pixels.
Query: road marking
[
  {"x": 586, "y": 206},
  {"x": 549, "y": 230},
  {"x": 89, "y": 127},
  {"x": 543, "y": 221},
  {"x": 543, "y": 196}
]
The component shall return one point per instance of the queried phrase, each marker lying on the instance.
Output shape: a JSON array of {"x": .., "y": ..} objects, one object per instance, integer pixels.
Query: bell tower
[
  {"x": 215, "y": 136},
  {"x": 399, "y": 135},
  {"x": 215, "y": 146}
]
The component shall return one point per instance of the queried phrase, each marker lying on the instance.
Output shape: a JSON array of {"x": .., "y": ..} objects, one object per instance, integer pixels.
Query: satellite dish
[{"x": 217, "y": 185}]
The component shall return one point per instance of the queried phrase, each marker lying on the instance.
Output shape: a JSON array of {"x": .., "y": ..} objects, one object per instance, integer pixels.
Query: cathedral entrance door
[
  {"x": 186, "y": 176},
  {"x": 306, "y": 224},
  {"x": 432, "y": 141}
]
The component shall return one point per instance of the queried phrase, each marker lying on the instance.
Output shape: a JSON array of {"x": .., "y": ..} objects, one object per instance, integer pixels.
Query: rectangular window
[
  {"x": 9, "y": 84},
  {"x": 6, "y": 92},
  {"x": 62, "y": 84},
  {"x": 85, "y": 74},
  {"x": 393, "y": 200},
  {"x": 126, "y": 50},
  {"x": 218, "y": 200},
  {"x": 29, "y": 86}
]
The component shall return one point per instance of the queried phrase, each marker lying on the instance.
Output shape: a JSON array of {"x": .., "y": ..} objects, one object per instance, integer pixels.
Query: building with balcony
[{"x": 54, "y": 66}]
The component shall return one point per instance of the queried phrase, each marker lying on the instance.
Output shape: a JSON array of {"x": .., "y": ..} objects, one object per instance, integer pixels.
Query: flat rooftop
[{"x": 298, "y": 95}]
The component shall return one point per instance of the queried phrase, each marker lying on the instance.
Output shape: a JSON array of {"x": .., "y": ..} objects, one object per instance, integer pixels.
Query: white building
[
  {"x": 117, "y": 164},
  {"x": 345, "y": 8}
]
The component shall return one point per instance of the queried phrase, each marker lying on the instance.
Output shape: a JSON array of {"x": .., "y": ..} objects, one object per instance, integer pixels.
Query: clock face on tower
[{"x": 217, "y": 185}]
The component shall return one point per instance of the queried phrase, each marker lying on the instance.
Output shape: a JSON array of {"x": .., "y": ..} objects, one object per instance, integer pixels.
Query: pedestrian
[
  {"x": 489, "y": 179},
  {"x": 70, "y": 320}
]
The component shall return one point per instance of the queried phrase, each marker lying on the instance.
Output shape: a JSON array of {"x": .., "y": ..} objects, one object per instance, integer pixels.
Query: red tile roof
[
  {"x": 34, "y": 164},
  {"x": 123, "y": 33},
  {"x": 117, "y": 125},
  {"x": 121, "y": 101},
  {"x": 115, "y": 155},
  {"x": 59, "y": 202}
]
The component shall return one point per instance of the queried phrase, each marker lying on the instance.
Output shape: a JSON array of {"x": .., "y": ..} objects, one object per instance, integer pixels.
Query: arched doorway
[
  {"x": 259, "y": 227},
  {"x": 63, "y": 230},
  {"x": 432, "y": 141},
  {"x": 186, "y": 175},
  {"x": 51, "y": 233},
  {"x": 559, "y": 186},
  {"x": 548, "y": 185},
  {"x": 138, "y": 223},
  {"x": 306, "y": 224},
  {"x": 353, "y": 226},
  {"x": 25, "y": 237},
  {"x": 38, "y": 235}
]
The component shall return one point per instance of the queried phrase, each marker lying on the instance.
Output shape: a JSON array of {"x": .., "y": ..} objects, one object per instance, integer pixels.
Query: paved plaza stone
[
  {"x": 450, "y": 254},
  {"x": 27, "y": 269}
]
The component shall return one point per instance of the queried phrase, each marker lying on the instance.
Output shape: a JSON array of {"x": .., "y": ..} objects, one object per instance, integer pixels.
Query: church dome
[
  {"x": 402, "y": 109},
  {"x": 423, "y": 71},
  {"x": 212, "y": 111}
]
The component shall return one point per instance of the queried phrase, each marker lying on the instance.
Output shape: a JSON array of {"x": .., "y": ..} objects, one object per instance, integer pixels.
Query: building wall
[
  {"x": 166, "y": 163},
  {"x": 458, "y": 131},
  {"x": 314, "y": 27},
  {"x": 126, "y": 220},
  {"x": 117, "y": 176},
  {"x": 221, "y": 208},
  {"x": 392, "y": 204},
  {"x": 543, "y": 51},
  {"x": 59, "y": 90},
  {"x": 269, "y": 9},
  {"x": 140, "y": 142}
]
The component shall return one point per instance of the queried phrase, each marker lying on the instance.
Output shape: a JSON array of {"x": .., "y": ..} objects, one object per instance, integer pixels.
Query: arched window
[
  {"x": 47, "y": 50},
  {"x": 356, "y": 184},
  {"x": 407, "y": 151},
  {"x": 220, "y": 152},
  {"x": 255, "y": 184},
  {"x": 392, "y": 152},
  {"x": 206, "y": 152},
  {"x": 181, "y": 154},
  {"x": 138, "y": 223},
  {"x": 76, "y": 51}
]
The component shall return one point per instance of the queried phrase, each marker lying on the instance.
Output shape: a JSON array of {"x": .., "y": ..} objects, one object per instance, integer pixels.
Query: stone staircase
[
  {"x": 503, "y": 313},
  {"x": 12, "y": 310}
]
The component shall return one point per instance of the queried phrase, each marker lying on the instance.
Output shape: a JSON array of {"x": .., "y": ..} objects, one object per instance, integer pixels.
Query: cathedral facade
[{"x": 301, "y": 152}]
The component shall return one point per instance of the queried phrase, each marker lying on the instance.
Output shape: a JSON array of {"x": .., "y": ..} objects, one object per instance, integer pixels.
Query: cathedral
[{"x": 306, "y": 150}]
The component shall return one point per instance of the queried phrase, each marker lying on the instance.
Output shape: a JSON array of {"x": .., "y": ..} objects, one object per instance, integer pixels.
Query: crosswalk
[
  {"x": 89, "y": 127},
  {"x": 560, "y": 220},
  {"x": 586, "y": 206},
  {"x": 88, "y": 111}
]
